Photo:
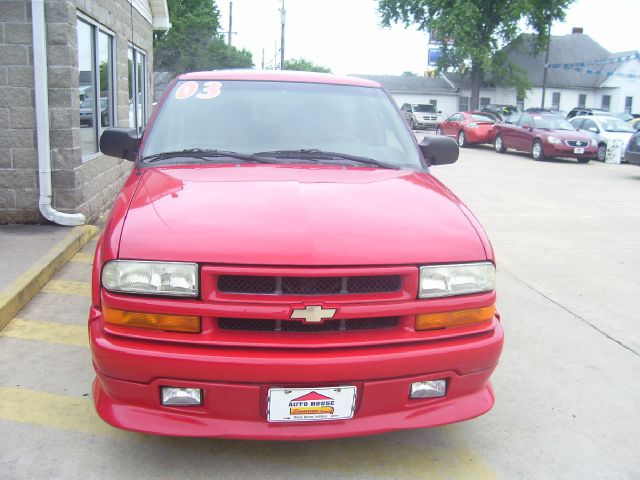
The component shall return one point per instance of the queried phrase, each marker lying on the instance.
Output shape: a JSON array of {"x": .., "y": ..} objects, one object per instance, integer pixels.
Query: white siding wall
[{"x": 620, "y": 88}]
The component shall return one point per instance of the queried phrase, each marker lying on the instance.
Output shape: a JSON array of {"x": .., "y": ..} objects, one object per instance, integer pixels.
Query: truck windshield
[{"x": 248, "y": 117}]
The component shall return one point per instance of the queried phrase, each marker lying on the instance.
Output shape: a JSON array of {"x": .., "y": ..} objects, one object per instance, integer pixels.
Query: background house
[
  {"x": 98, "y": 57},
  {"x": 437, "y": 91},
  {"x": 581, "y": 73}
]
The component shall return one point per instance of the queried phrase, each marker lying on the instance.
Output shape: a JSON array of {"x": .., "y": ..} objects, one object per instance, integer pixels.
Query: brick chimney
[{"x": 577, "y": 30}]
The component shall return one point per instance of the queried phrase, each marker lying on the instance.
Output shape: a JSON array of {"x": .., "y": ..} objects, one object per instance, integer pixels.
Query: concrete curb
[{"x": 27, "y": 285}]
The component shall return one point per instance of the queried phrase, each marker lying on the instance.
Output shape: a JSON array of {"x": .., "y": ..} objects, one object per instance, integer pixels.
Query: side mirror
[
  {"x": 439, "y": 150},
  {"x": 120, "y": 143},
  {"x": 594, "y": 130},
  {"x": 527, "y": 127}
]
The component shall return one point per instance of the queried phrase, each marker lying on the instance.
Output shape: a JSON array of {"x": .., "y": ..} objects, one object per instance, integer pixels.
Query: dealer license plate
[
  {"x": 311, "y": 404},
  {"x": 578, "y": 150}
]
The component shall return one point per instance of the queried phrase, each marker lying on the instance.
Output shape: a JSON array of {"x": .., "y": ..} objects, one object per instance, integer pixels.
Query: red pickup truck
[{"x": 281, "y": 265}]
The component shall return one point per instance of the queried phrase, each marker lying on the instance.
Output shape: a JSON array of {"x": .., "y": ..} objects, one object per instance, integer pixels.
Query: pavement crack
[{"x": 570, "y": 312}]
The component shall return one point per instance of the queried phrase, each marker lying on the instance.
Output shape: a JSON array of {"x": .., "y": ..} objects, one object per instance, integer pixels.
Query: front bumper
[
  {"x": 235, "y": 382},
  {"x": 561, "y": 150},
  {"x": 419, "y": 122}
]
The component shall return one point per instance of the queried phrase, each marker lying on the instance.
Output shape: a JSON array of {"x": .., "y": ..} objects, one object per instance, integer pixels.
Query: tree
[
  {"x": 193, "y": 42},
  {"x": 304, "y": 65},
  {"x": 474, "y": 33}
]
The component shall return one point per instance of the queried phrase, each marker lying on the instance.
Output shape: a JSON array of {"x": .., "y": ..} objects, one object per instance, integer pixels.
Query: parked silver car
[
  {"x": 421, "y": 115},
  {"x": 604, "y": 129}
]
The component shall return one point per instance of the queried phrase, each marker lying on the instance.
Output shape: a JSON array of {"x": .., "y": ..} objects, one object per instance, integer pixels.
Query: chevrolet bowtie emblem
[{"x": 313, "y": 313}]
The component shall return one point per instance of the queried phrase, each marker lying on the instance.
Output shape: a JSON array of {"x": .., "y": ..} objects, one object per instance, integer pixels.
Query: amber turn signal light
[
  {"x": 155, "y": 321},
  {"x": 457, "y": 318}
]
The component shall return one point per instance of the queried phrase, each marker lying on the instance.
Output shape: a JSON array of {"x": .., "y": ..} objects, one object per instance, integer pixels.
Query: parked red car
[
  {"x": 543, "y": 135},
  {"x": 468, "y": 128},
  {"x": 282, "y": 265}
]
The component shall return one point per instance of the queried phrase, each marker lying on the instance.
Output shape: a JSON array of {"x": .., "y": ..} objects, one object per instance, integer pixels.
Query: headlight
[
  {"x": 594, "y": 143},
  {"x": 449, "y": 280},
  {"x": 554, "y": 140},
  {"x": 151, "y": 278}
]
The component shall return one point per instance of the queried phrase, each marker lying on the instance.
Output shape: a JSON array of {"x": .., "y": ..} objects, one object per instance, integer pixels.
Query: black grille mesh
[
  {"x": 261, "y": 285},
  {"x": 311, "y": 285},
  {"x": 246, "y": 284},
  {"x": 266, "y": 325}
]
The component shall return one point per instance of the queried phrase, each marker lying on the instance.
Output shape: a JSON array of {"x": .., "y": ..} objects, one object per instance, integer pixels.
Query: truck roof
[{"x": 279, "y": 76}]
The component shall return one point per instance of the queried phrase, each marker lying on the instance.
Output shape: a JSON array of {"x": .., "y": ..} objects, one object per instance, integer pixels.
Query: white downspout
[{"x": 41, "y": 87}]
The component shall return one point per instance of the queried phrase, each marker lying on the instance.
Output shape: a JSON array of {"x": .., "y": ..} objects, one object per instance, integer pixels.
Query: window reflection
[
  {"x": 105, "y": 78},
  {"x": 137, "y": 74},
  {"x": 95, "y": 65},
  {"x": 86, "y": 87}
]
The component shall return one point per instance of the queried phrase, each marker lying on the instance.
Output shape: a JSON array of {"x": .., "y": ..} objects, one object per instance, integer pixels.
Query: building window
[
  {"x": 582, "y": 100},
  {"x": 555, "y": 101},
  {"x": 137, "y": 66},
  {"x": 96, "y": 74},
  {"x": 463, "y": 104},
  {"x": 520, "y": 102},
  {"x": 606, "y": 102},
  {"x": 628, "y": 104},
  {"x": 484, "y": 101}
]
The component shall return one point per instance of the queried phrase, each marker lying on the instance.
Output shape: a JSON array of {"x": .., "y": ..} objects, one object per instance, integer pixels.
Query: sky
[{"x": 346, "y": 36}]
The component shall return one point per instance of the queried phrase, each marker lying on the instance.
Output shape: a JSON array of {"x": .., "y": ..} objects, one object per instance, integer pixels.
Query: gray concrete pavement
[
  {"x": 567, "y": 390},
  {"x": 22, "y": 245}
]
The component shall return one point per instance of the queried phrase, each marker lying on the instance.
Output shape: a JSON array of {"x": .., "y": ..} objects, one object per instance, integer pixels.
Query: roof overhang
[{"x": 160, "y": 13}]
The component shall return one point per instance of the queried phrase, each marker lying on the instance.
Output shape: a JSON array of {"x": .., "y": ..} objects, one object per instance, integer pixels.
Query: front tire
[
  {"x": 602, "y": 152},
  {"x": 462, "y": 139},
  {"x": 413, "y": 124},
  {"x": 498, "y": 144},
  {"x": 536, "y": 151}
]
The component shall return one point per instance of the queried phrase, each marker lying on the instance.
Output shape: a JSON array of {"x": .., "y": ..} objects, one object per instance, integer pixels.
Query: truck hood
[{"x": 296, "y": 215}]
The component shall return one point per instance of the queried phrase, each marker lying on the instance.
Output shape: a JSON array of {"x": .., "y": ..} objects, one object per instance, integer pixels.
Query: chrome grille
[
  {"x": 577, "y": 143},
  {"x": 267, "y": 325}
]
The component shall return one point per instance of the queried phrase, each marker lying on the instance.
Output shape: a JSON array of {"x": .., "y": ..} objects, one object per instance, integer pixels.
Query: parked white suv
[{"x": 421, "y": 115}]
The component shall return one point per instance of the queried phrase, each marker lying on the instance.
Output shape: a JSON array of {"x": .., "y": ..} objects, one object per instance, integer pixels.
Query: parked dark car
[
  {"x": 468, "y": 128},
  {"x": 632, "y": 155},
  {"x": 581, "y": 111},
  {"x": 543, "y": 135},
  {"x": 562, "y": 113},
  {"x": 500, "y": 111}
]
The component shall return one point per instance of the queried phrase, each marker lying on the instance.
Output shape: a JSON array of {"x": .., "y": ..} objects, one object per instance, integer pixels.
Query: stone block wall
[{"x": 88, "y": 186}]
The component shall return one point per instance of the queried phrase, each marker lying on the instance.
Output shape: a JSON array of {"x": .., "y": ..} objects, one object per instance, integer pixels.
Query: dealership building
[{"x": 68, "y": 70}]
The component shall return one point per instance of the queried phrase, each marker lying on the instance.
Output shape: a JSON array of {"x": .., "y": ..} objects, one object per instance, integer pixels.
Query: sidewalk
[{"x": 30, "y": 255}]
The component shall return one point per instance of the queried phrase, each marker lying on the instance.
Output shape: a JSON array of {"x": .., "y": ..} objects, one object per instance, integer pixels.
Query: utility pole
[
  {"x": 230, "y": 23},
  {"x": 544, "y": 75},
  {"x": 282, "y": 14}
]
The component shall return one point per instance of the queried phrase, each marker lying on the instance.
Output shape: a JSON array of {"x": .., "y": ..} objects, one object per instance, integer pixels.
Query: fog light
[
  {"x": 173, "y": 396},
  {"x": 429, "y": 389}
]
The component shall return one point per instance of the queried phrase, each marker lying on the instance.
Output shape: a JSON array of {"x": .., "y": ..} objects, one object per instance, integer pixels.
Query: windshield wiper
[
  {"x": 314, "y": 153},
  {"x": 203, "y": 154}
]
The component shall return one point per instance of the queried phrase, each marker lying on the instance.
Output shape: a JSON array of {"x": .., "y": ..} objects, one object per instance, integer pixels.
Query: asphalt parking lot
[{"x": 567, "y": 239}]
